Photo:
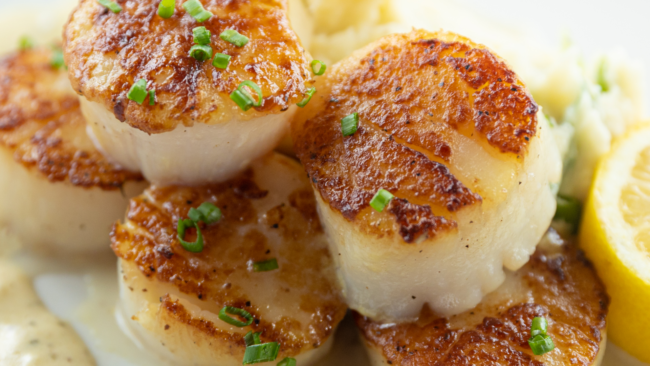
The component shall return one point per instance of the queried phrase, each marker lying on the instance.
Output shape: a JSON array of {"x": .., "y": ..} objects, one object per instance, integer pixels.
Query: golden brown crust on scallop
[
  {"x": 413, "y": 93},
  {"x": 416, "y": 220},
  {"x": 155, "y": 249},
  {"x": 348, "y": 173},
  {"x": 41, "y": 124},
  {"x": 565, "y": 290},
  {"x": 108, "y": 52}
]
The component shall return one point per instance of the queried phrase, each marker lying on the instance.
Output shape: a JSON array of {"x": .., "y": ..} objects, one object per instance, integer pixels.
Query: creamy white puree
[
  {"x": 29, "y": 334},
  {"x": 85, "y": 292}
]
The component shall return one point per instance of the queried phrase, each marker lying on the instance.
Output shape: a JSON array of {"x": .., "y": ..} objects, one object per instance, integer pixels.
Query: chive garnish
[
  {"x": 110, "y": 5},
  {"x": 201, "y": 35},
  {"x": 308, "y": 95},
  {"x": 318, "y": 67},
  {"x": 381, "y": 199},
  {"x": 539, "y": 326},
  {"x": 244, "y": 99},
  {"x": 541, "y": 344},
  {"x": 57, "y": 60},
  {"x": 221, "y": 61},
  {"x": 152, "y": 97},
  {"x": 539, "y": 341},
  {"x": 25, "y": 43},
  {"x": 166, "y": 8},
  {"x": 223, "y": 315},
  {"x": 252, "y": 338},
  {"x": 569, "y": 210},
  {"x": 287, "y": 362},
  {"x": 258, "y": 353},
  {"x": 201, "y": 52},
  {"x": 265, "y": 266},
  {"x": 207, "y": 212},
  {"x": 196, "y": 10},
  {"x": 138, "y": 91},
  {"x": 234, "y": 37},
  {"x": 350, "y": 124},
  {"x": 194, "y": 247}
]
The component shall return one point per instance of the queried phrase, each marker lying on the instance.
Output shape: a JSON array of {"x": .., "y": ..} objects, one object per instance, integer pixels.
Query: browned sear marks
[
  {"x": 415, "y": 220},
  {"x": 565, "y": 290},
  {"x": 108, "y": 52},
  {"x": 42, "y": 126},
  {"x": 215, "y": 275},
  {"x": 415, "y": 94}
]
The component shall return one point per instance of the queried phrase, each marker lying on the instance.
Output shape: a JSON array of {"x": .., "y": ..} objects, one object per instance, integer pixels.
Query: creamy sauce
[
  {"x": 84, "y": 292},
  {"x": 29, "y": 334}
]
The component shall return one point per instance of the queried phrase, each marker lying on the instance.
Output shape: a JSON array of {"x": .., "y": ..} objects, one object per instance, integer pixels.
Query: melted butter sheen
[{"x": 29, "y": 334}]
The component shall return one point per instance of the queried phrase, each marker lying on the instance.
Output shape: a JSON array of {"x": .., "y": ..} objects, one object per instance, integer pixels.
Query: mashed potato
[{"x": 343, "y": 26}]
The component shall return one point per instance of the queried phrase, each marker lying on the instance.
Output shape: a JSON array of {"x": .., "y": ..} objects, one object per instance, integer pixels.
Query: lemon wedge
[{"x": 615, "y": 234}]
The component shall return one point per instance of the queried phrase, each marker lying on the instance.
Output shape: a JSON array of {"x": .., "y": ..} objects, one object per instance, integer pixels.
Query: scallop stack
[
  {"x": 428, "y": 186},
  {"x": 222, "y": 259}
]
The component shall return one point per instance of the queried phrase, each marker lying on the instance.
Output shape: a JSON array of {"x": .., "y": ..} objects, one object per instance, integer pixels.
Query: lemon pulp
[
  {"x": 635, "y": 202},
  {"x": 615, "y": 234}
]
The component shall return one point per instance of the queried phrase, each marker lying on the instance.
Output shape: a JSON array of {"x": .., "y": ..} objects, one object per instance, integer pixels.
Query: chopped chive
[
  {"x": 201, "y": 35},
  {"x": 152, "y": 97},
  {"x": 259, "y": 353},
  {"x": 203, "y": 16},
  {"x": 350, "y": 124},
  {"x": 539, "y": 341},
  {"x": 57, "y": 60},
  {"x": 318, "y": 67},
  {"x": 234, "y": 37},
  {"x": 244, "y": 99},
  {"x": 568, "y": 210},
  {"x": 110, "y": 5},
  {"x": 248, "y": 339},
  {"x": 257, "y": 90},
  {"x": 194, "y": 247},
  {"x": 308, "y": 95},
  {"x": 380, "y": 200},
  {"x": 196, "y": 10},
  {"x": 221, "y": 61},
  {"x": 223, "y": 315},
  {"x": 25, "y": 43},
  {"x": 539, "y": 326},
  {"x": 166, "y": 8},
  {"x": 207, "y": 212},
  {"x": 265, "y": 266},
  {"x": 541, "y": 344},
  {"x": 138, "y": 91},
  {"x": 201, "y": 52},
  {"x": 601, "y": 78},
  {"x": 252, "y": 338},
  {"x": 287, "y": 362}
]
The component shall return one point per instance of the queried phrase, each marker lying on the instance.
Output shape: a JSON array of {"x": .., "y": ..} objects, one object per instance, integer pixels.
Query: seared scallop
[
  {"x": 449, "y": 130},
  {"x": 57, "y": 192},
  {"x": 558, "y": 284},
  {"x": 171, "y": 298},
  {"x": 193, "y": 123}
]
